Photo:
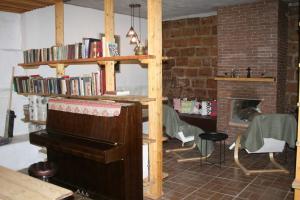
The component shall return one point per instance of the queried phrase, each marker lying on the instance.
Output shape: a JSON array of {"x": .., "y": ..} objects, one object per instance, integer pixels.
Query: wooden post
[
  {"x": 109, "y": 37},
  {"x": 297, "y": 175},
  {"x": 59, "y": 22},
  {"x": 59, "y": 32},
  {"x": 155, "y": 91}
]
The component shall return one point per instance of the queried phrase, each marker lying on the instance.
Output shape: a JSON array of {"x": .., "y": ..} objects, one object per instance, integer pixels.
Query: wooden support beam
[
  {"x": 155, "y": 91},
  {"x": 59, "y": 22},
  {"x": 59, "y": 32},
  {"x": 297, "y": 175},
  {"x": 109, "y": 37},
  {"x": 60, "y": 70}
]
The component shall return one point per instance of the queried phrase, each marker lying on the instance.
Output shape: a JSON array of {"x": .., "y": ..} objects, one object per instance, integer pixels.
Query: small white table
[{"x": 17, "y": 186}]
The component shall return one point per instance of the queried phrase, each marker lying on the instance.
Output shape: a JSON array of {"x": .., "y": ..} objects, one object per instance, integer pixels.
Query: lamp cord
[{"x": 140, "y": 23}]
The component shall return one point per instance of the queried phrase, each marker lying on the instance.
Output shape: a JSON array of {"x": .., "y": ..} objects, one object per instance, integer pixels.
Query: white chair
[
  {"x": 184, "y": 139},
  {"x": 267, "y": 134}
]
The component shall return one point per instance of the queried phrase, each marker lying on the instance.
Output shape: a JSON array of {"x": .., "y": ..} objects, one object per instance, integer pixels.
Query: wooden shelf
[
  {"x": 135, "y": 98},
  {"x": 254, "y": 79},
  {"x": 34, "y": 122},
  {"x": 100, "y": 60}
]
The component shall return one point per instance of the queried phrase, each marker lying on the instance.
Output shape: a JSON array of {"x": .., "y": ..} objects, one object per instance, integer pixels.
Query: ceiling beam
[
  {"x": 18, "y": 6},
  {"x": 11, "y": 9}
]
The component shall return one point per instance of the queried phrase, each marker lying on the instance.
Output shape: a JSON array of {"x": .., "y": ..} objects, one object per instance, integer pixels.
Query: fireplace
[
  {"x": 250, "y": 36},
  {"x": 243, "y": 110}
]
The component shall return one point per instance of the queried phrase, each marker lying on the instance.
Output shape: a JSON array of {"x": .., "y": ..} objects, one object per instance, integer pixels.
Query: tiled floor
[{"x": 191, "y": 181}]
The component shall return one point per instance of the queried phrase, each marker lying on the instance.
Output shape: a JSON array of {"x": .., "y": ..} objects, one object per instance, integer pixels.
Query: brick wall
[
  {"x": 193, "y": 45},
  {"x": 282, "y": 46},
  {"x": 293, "y": 58},
  {"x": 251, "y": 35}
]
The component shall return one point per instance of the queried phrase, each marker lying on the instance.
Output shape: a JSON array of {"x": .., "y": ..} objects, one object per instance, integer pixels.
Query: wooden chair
[{"x": 267, "y": 134}]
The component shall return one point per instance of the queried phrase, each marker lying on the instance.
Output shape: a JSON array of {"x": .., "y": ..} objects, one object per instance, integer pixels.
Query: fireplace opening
[{"x": 244, "y": 110}]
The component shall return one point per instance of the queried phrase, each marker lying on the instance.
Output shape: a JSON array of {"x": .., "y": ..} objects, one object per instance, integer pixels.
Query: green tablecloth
[
  {"x": 276, "y": 126},
  {"x": 173, "y": 124}
]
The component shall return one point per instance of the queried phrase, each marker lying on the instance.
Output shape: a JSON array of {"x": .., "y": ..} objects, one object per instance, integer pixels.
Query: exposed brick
[
  {"x": 205, "y": 72},
  {"x": 183, "y": 82},
  {"x": 194, "y": 62},
  {"x": 214, "y": 51},
  {"x": 181, "y": 61},
  {"x": 198, "y": 83},
  {"x": 209, "y": 41},
  {"x": 168, "y": 43},
  {"x": 193, "y": 21},
  {"x": 190, "y": 72},
  {"x": 214, "y": 30},
  {"x": 188, "y": 32},
  {"x": 211, "y": 83},
  {"x": 203, "y": 30},
  {"x": 202, "y": 51},
  {"x": 180, "y": 43},
  {"x": 187, "y": 51},
  {"x": 172, "y": 52},
  {"x": 178, "y": 71},
  {"x": 292, "y": 87},
  {"x": 178, "y": 23},
  {"x": 195, "y": 41},
  {"x": 200, "y": 93}
]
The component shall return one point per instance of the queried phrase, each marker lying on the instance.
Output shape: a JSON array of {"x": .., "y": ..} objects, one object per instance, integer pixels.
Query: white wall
[
  {"x": 10, "y": 55},
  {"x": 36, "y": 29}
]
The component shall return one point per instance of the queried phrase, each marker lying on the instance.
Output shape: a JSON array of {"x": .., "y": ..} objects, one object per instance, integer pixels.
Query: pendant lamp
[{"x": 131, "y": 32}]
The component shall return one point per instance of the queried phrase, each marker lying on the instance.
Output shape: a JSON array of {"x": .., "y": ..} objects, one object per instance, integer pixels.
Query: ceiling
[
  {"x": 172, "y": 9},
  {"x": 20, "y": 6}
]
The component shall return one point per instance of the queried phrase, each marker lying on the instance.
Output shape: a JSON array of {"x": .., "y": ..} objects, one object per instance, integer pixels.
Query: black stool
[
  {"x": 215, "y": 137},
  {"x": 42, "y": 170}
]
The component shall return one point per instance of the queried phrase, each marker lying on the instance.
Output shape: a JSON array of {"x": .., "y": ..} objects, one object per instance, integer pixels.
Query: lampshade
[
  {"x": 134, "y": 39},
  {"x": 131, "y": 32}
]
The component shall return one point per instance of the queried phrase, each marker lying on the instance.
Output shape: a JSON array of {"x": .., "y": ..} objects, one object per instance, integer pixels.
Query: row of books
[
  {"x": 89, "y": 48},
  {"x": 87, "y": 85}
]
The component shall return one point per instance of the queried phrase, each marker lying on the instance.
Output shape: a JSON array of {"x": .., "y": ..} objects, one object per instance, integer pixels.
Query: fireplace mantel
[{"x": 254, "y": 79}]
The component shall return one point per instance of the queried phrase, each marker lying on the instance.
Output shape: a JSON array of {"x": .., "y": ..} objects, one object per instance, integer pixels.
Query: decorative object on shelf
[
  {"x": 234, "y": 73},
  {"x": 113, "y": 49},
  {"x": 248, "y": 72},
  {"x": 140, "y": 49}
]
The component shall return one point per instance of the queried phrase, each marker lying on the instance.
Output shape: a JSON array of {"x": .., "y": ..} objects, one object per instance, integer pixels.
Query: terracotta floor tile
[{"x": 192, "y": 181}]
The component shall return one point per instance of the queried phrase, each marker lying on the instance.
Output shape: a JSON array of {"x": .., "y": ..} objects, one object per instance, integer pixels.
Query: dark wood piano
[{"x": 101, "y": 155}]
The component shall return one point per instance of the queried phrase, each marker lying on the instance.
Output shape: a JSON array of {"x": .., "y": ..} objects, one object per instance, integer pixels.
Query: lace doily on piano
[{"x": 97, "y": 108}]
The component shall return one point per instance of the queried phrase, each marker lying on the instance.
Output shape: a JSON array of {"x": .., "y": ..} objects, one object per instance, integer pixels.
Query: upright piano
[{"x": 96, "y": 146}]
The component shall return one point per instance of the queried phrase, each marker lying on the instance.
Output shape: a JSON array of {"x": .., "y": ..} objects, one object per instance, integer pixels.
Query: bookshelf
[
  {"x": 154, "y": 62},
  {"x": 86, "y": 61},
  {"x": 143, "y": 100}
]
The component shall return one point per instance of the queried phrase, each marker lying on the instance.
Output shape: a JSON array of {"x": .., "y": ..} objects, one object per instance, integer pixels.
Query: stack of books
[
  {"x": 88, "y": 48},
  {"x": 86, "y": 85}
]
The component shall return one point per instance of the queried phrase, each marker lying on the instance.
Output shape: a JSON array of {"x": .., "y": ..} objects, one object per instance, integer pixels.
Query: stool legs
[{"x": 220, "y": 155}]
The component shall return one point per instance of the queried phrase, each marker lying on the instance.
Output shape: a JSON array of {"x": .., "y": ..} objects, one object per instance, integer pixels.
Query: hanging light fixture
[
  {"x": 131, "y": 31},
  {"x": 140, "y": 49}
]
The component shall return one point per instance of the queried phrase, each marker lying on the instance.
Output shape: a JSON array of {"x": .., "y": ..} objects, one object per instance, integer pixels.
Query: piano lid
[{"x": 96, "y": 108}]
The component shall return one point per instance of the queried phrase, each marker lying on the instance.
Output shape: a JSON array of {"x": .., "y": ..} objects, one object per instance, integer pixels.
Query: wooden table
[{"x": 17, "y": 186}]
